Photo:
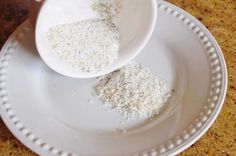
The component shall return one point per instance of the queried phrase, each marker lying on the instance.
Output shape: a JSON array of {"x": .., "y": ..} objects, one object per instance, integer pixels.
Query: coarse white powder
[
  {"x": 90, "y": 45},
  {"x": 133, "y": 91},
  {"x": 107, "y": 9}
]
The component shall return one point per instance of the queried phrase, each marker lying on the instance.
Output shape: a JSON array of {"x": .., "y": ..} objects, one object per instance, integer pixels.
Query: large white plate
[{"x": 51, "y": 114}]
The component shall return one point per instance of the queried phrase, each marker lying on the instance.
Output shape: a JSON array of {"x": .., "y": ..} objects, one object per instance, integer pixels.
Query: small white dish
[
  {"x": 53, "y": 114},
  {"x": 136, "y": 24}
]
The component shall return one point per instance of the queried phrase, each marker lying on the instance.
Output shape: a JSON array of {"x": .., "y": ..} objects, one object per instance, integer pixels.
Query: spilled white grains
[{"x": 133, "y": 91}]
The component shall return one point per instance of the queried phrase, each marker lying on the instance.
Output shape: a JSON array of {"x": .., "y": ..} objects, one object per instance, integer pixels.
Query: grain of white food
[
  {"x": 107, "y": 9},
  {"x": 133, "y": 91},
  {"x": 90, "y": 45}
]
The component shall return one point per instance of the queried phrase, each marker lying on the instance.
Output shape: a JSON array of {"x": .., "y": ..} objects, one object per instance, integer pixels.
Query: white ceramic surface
[
  {"x": 136, "y": 24},
  {"x": 52, "y": 115}
]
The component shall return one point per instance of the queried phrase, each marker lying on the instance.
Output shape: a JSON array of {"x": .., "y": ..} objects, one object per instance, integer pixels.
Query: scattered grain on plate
[
  {"x": 90, "y": 45},
  {"x": 133, "y": 91}
]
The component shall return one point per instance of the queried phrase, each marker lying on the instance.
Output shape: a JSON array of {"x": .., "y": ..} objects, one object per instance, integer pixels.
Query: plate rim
[
  {"x": 165, "y": 6},
  {"x": 171, "y": 147}
]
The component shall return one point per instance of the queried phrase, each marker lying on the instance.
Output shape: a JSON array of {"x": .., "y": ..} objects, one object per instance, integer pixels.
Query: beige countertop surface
[{"x": 219, "y": 16}]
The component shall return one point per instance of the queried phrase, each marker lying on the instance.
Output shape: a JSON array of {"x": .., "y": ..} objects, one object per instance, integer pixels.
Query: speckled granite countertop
[{"x": 219, "y": 16}]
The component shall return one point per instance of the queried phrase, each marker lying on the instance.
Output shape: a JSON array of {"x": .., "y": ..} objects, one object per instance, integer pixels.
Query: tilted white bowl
[{"x": 137, "y": 21}]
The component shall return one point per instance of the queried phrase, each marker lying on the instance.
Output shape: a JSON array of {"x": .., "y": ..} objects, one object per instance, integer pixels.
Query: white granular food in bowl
[
  {"x": 107, "y": 9},
  {"x": 90, "y": 45},
  {"x": 133, "y": 91}
]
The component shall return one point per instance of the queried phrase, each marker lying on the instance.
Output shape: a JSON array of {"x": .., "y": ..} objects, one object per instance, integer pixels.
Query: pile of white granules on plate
[
  {"x": 89, "y": 45},
  {"x": 133, "y": 91}
]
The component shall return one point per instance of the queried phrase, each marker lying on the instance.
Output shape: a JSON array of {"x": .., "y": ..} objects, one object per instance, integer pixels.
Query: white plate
[{"x": 51, "y": 114}]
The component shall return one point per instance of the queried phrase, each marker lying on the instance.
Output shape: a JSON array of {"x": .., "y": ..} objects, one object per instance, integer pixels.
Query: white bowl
[{"x": 137, "y": 21}]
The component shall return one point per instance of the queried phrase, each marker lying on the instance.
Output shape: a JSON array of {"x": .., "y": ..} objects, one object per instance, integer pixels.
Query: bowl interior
[{"x": 137, "y": 20}]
